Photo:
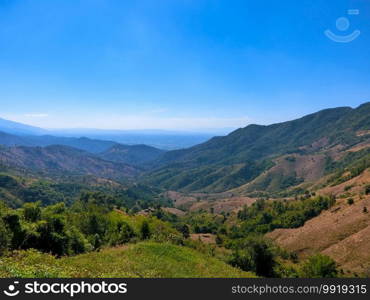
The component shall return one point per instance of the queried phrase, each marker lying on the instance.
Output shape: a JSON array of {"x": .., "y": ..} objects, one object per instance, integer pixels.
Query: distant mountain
[
  {"x": 231, "y": 161},
  {"x": 19, "y": 128},
  {"x": 134, "y": 155},
  {"x": 162, "y": 139},
  {"x": 62, "y": 161},
  {"x": 90, "y": 145}
]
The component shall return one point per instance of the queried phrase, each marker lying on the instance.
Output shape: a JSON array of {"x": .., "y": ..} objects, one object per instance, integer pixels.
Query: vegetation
[
  {"x": 93, "y": 223},
  {"x": 264, "y": 216},
  {"x": 319, "y": 266},
  {"x": 145, "y": 259},
  {"x": 65, "y": 212}
]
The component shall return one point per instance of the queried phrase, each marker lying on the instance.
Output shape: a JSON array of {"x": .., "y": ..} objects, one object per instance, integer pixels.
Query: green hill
[{"x": 145, "y": 259}]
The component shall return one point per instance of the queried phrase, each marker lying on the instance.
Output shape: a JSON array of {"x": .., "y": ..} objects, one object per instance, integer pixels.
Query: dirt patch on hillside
[
  {"x": 223, "y": 205},
  {"x": 174, "y": 211},
  {"x": 216, "y": 202},
  {"x": 206, "y": 238}
]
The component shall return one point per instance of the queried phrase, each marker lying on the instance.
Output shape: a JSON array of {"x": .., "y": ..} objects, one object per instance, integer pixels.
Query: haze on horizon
[{"x": 199, "y": 65}]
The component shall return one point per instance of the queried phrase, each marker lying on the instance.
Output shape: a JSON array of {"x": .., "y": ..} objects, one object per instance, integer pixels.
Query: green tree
[
  {"x": 145, "y": 230},
  {"x": 255, "y": 254},
  {"x": 32, "y": 211}
]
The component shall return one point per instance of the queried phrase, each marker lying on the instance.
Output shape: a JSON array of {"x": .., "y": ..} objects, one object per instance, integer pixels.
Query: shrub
[
  {"x": 319, "y": 266},
  {"x": 350, "y": 201},
  {"x": 185, "y": 231},
  {"x": 367, "y": 189}
]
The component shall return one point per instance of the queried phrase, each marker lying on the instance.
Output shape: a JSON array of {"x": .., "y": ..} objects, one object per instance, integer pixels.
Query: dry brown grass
[
  {"x": 206, "y": 238},
  {"x": 341, "y": 232}
]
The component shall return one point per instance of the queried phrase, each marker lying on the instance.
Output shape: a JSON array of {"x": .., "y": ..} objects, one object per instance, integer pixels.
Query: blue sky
[{"x": 178, "y": 64}]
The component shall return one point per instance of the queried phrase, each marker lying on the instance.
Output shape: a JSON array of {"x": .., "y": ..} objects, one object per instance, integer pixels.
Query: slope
[
  {"x": 62, "y": 160},
  {"x": 145, "y": 260},
  {"x": 134, "y": 155},
  {"x": 228, "y": 162},
  {"x": 342, "y": 232}
]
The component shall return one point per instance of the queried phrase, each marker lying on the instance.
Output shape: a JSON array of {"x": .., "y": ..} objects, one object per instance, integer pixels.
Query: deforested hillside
[{"x": 341, "y": 232}]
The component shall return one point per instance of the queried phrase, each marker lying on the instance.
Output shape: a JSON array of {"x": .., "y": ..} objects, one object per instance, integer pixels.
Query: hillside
[
  {"x": 61, "y": 161},
  {"x": 225, "y": 163},
  {"x": 133, "y": 155},
  {"x": 143, "y": 260},
  {"x": 342, "y": 232}
]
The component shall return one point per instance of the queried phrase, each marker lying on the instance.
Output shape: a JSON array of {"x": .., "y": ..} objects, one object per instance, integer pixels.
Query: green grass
[{"x": 145, "y": 259}]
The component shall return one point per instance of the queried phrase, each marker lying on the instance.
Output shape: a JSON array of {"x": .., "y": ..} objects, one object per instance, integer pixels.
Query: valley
[{"x": 262, "y": 201}]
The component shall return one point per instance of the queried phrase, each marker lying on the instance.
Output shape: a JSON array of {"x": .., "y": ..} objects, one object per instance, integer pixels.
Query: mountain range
[
  {"x": 255, "y": 158},
  {"x": 271, "y": 156}
]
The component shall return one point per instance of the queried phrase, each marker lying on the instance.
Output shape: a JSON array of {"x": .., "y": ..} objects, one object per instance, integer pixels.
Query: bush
[
  {"x": 367, "y": 190},
  {"x": 319, "y": 266},
  {"x": 350, "y": 201},
  {"x": 185, "y": 230}
]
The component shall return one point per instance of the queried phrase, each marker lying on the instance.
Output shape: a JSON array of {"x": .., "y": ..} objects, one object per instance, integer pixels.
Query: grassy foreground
[{"x": 145, "y": 259}]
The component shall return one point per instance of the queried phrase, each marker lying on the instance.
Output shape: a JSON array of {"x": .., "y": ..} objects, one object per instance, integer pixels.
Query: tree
[
  {"x": 255, "y": 254},
  {"x": 145, "y": 230},
  {"x": 319, "y": 266},
  {"x": 185, "y": 231},
  {"x": 4, "y": 238},
  {"x": 32, "y": 212}
]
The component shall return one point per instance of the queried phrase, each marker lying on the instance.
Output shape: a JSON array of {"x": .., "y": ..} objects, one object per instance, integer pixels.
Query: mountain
[
  {"x": 59, "y": 161},
  {"x": 134, "y": 155},
  {"x": 19, "y": 128},
  {"x": 249, "y": 153},
  {"x": 162, "y": 139},
  {"x": 83, "y": 143}
]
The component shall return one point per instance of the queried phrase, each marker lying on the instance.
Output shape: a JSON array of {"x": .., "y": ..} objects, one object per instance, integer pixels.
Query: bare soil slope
[{"x": 343, "y": 232}]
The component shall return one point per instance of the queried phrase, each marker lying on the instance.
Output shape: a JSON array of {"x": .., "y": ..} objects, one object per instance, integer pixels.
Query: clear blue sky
[{"x": 178, "y": 64}]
